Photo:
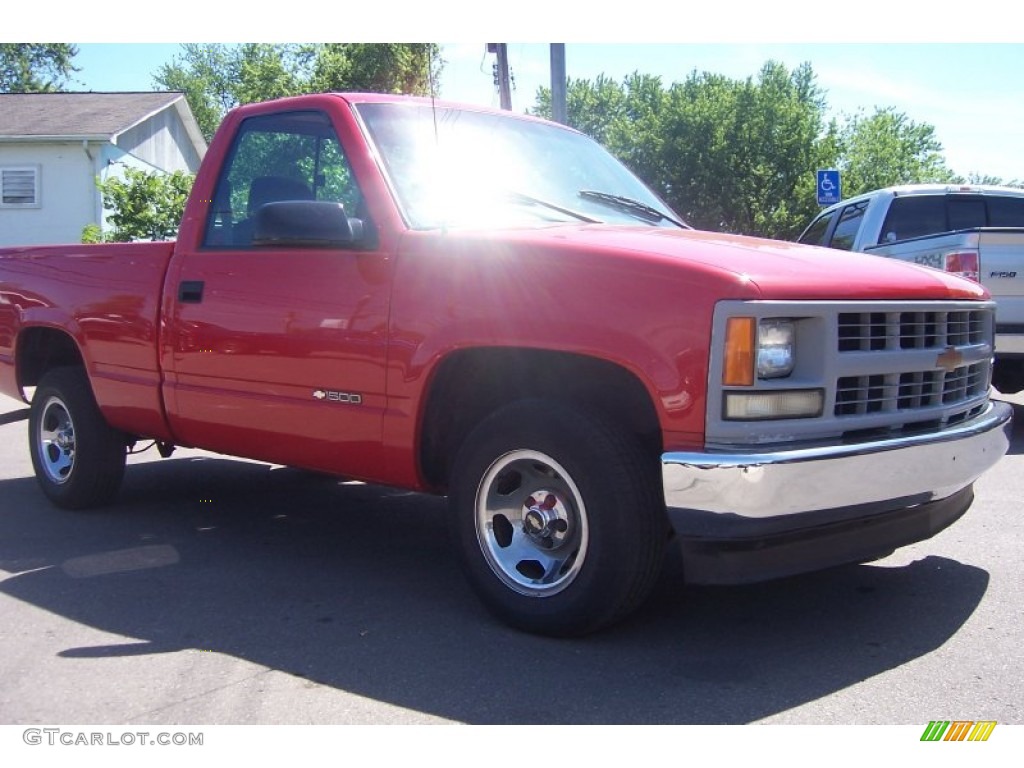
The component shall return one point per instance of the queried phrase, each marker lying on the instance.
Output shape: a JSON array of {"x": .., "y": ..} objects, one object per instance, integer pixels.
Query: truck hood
[{"x": 760, "y": 268}]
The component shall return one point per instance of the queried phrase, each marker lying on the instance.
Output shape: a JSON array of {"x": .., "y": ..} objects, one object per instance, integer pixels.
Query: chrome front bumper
[
  {"x": 749, "y": 517},
  {"x": 915, "y": 469}
]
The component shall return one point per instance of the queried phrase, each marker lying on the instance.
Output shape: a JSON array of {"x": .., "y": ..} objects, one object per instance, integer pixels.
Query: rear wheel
[
  {"x": 77, "y": 457},
  {"x": 560, "y": 518}
]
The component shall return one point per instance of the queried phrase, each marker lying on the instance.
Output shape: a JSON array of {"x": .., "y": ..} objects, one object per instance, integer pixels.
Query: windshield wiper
[
  {"x": 519, "y": 197},
  {"x": 631, "y": 206}
]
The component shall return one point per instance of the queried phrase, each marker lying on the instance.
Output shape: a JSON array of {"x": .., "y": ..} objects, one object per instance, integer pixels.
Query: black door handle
[{"x": 190, "y": 291}]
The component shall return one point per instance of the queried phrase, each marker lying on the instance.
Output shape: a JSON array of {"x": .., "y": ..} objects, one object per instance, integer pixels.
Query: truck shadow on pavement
[
  {"x": 354, "y": 587},
  {"x": 14, "y": 416}
]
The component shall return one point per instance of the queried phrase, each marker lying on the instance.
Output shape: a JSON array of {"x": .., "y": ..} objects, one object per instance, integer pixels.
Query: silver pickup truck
[{"x": 974, "y": 231}]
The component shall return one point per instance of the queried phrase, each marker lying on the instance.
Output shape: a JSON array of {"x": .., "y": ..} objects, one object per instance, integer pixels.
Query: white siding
[
  {"x": 162, "y": 142},
  {"x": 67, "y": 194}
]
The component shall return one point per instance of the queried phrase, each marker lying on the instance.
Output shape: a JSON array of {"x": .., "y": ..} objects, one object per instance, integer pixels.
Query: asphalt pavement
[{"x": 223, "y": 591}]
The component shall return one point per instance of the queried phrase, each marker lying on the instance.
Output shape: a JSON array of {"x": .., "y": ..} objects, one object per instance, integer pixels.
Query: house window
[{"x": 19, "y": 187}]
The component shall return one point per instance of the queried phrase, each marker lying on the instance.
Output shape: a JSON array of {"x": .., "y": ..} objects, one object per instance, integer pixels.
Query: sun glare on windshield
[{"x": 462, "y": 168}]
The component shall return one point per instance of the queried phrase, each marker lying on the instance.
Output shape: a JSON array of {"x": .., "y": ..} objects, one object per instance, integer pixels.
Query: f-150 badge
[{"x": 338, "y": 397}]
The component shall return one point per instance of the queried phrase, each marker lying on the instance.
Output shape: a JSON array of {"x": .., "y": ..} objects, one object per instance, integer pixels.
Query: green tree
[
  {"x": 376, "y": 67},
  {"x": 143, "y": 206},
  {"x": 206, "y": 74},
  {"x": 216, "y": 78},
  {"x": 735, "y": 155},
  {"x": 888, "y": 148},
  {"x": 741, "y": 155},
  {"x": 739, "y": 151},
  {"x": 595, "y": 108},
  {"x": 264, "y": 71},
  {"x": 983, "y": 178},
  {"x": 35, "y": 67}
]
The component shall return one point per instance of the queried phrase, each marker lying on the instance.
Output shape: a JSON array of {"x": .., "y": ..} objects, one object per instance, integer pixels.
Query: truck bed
[
  {"x": 1001, "y": 262},
  {"x": 107, "y": 297}
]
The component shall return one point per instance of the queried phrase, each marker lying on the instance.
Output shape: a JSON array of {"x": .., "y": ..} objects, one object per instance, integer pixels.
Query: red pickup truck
[{"x": 466, "y": 302}]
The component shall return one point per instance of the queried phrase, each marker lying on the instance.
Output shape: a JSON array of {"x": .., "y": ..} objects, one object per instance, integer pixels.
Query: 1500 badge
[{"x": 338, "y": 397}]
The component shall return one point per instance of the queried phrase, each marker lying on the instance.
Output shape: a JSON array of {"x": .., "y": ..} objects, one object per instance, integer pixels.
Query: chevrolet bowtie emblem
[{"x": 949, "y": 360}]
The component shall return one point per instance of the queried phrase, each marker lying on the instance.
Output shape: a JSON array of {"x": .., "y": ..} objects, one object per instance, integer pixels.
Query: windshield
[{"x": 477, "y": 168}]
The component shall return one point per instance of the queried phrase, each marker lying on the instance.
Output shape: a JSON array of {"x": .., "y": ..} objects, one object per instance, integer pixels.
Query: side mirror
[{"x": 306, "y": 224}]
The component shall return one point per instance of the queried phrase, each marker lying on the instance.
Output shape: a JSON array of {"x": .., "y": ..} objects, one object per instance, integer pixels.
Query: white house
[{"x": 53, "y": 147}]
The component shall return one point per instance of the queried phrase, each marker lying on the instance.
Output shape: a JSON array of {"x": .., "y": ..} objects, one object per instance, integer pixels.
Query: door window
[
  {"x": 847, "y": 226},
  {"x": 815, "y": 233},
  {"x": 275, "y": 158}
]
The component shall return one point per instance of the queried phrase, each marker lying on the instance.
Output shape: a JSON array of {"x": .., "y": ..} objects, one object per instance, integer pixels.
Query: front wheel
[
  {"x": 1008, "y": 376},
  {"x": 560, "y": 518},
  {"x": 77, "y": 457}
]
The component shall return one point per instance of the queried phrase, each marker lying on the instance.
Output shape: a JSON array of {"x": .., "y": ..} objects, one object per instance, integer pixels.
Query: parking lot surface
[{"x": 223, "y": 591}]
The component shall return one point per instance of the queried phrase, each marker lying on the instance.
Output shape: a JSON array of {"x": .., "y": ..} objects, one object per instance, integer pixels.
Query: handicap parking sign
[{"x": 828, "y": 187}]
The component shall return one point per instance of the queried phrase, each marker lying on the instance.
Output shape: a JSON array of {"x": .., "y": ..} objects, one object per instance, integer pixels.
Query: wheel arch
[
  {"x": 42, "y": 348},
  {"x": 482, "y": 380}
]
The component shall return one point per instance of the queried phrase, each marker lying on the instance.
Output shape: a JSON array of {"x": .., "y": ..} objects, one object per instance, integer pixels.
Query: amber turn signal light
[{"x": 739, "y": 352}]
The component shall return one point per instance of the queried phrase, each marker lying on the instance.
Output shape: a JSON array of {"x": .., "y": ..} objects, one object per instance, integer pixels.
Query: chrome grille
[{"x": 877, "y": 331}]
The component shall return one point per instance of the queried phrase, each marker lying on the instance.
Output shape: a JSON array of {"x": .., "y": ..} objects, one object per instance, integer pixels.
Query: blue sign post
[{"x": 829, "y": 190}]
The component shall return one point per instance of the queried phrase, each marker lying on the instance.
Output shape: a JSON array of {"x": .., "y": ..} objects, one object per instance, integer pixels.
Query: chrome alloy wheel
[
  {"x": 531, "y": 523},
  {"x": 55, "y": 441}
]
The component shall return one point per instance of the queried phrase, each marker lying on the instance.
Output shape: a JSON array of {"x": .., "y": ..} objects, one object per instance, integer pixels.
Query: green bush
[{"x": 143, "y": 206}]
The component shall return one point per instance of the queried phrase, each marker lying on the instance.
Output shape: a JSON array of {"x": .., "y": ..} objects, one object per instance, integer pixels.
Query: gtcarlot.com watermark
[{"x": 60, "y": 737}]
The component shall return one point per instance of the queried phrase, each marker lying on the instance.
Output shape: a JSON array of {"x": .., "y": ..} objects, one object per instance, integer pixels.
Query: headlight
[
  {"x": 766, "y": 347},
  {"x": 775, "y": 348}
]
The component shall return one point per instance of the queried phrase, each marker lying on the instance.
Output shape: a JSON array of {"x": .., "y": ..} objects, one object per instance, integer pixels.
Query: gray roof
[{"x": 78, "y": 114}]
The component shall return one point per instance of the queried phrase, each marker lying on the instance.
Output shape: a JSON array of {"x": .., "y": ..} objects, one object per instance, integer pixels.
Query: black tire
[
  {"x": 1008, "y": 376},
  {"x": 77, "y": 457},
  {"x": 560, "y": 518}
]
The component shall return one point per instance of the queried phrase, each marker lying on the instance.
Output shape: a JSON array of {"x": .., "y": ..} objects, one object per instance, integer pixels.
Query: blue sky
[
  {"x": 971, "y": 92},
  {"x": 960, "y": 75}
]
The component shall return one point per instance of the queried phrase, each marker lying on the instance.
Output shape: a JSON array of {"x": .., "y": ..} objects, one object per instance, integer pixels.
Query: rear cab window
[
  {"x": 1006, "y": 211},
  {"x": 966, "y": 212},
  {"x": 914, "y": 216}
]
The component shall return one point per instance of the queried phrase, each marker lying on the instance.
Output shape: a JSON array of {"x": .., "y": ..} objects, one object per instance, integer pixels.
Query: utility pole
[
  {"x": 559, "y": 112},
  {"x": 504, "y": 90}
]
